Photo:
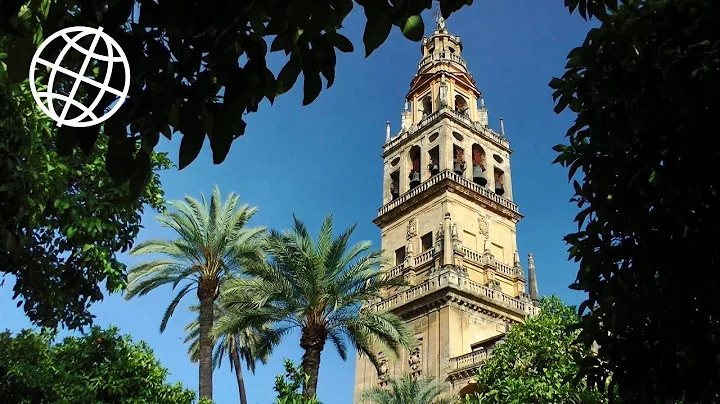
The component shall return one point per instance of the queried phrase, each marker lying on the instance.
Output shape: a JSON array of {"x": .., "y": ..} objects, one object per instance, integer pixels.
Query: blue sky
[{"x": 325, "y": 158}]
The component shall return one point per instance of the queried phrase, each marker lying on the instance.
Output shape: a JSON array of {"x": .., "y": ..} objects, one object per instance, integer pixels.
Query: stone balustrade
[
  {"x": 471, "y": 359},
  {"x": 425, "y": 257},
  {"x": 450, "y": 279},
  {"x": 441, "y": 57},
  {"x": 427, "y": 120},
  {"x": 443, "y": 175}
]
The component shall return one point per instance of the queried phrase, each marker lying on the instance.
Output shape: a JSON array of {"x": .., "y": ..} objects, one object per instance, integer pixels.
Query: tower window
[
  {"x": 499, "y": 181},
  {"x": 459, "y": 161},
  {"x": 461, "y": 105},
  {"x": 426, "y": 106},
  {"x": 399, "y": 256},
  {"x": 395, "y": 184},
  {"x": 427, "y": 241},
  {"x": 414, "y": 166},
  {"x": 434, "y": 165},
  {"x": 478, "y": 161}
]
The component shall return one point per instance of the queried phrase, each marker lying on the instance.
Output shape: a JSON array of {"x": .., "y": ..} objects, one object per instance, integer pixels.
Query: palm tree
[
  {"x": 321, "y": 288},
  {"x": 213, "y": 244},
  {"x": 410, "y": 390},
  {"x": 249, "y": 346}
]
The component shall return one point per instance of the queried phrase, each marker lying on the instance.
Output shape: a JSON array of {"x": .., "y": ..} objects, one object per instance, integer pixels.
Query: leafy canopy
[
  {"x": 100, "y": 366},
  {"x": 62, "y": 218},
  {"x": 644, "y": 88},
  {"x": 290, "y": 385},
  {"x": 536, "y": 361},
  {"x": 197, "y": 66}
]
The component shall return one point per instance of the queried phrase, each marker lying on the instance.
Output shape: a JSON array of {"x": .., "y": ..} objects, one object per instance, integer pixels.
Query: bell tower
[{"x": 448, "y": 226}]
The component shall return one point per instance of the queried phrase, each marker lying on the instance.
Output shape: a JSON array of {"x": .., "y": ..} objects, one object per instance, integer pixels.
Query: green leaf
[
  {"x": 376, "y": 31},
  {"x": 190, "y": 146},
  {"x": 311, "y": 88},
  {"x": 288, "y": 75},
  {"x": 340, "y": 42},
  {"x": 414, "y": 28}
]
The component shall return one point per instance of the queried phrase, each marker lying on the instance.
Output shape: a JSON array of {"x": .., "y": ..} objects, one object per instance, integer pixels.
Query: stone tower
[{"x": 448, "y": 226}]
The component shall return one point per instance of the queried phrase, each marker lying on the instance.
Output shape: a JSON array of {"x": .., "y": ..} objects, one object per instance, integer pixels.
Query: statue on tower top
[
  {"x": 440, "y": 22},
  {"x": 438, "y": 17}
]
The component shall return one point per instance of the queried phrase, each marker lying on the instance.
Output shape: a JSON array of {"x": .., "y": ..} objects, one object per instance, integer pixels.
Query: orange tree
[{"x": 644, "y": 87}]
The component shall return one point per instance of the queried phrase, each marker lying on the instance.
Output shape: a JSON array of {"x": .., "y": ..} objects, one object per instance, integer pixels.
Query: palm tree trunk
[
  {"x": 313, "y": 344},
  {"x": 235, "y": 357},
  {"x": 206, "y": 295}
]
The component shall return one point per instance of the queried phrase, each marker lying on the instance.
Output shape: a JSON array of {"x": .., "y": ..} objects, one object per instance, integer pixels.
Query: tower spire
[{"x": 532, "y": 280}]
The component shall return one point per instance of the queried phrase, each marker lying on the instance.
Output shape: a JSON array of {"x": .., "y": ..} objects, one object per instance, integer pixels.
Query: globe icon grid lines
[{"x": 71, "y": 43}]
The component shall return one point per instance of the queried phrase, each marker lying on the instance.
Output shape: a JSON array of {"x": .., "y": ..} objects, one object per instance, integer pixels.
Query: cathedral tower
[{"x": 448, "y": 226}]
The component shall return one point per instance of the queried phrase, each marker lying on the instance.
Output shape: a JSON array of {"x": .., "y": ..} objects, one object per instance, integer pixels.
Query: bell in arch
[
  {"x": 458, "y": 168},
  {"x": 434, "y": 168},
  {"x": 499, "y": 188},
  {"x": 478, "y": 177},
  {"x": 414, "y": 179},
  {"x": 394, "y": 192}
]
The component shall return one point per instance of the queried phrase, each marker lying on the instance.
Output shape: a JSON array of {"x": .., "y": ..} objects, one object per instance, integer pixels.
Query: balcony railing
[
  {"x": 428, "y": 119},
  {"x": 425, "y": 257},
  {"x": 441, "y": 57},
  {"x": 440, "y": 281},
  {"x": 447, "y": 174},
  {"x": 469, "y": 360},
  {"x": 475, "y": 256}
]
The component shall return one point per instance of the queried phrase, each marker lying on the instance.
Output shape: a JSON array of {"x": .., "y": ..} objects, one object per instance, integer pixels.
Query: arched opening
[
  {"x": 470, "y": 388},
  {"x": 395, "y": 184},
  {"x": 426, "y": 103},
  {"x": 459, "y": 160},
  {"x": 461, "y": 105},
  {"x": 434, "y": 165},
  {"x": 499, "y": 181},
  {"x": 478, "y": 161},
  {"x": 414, "y": 155}
]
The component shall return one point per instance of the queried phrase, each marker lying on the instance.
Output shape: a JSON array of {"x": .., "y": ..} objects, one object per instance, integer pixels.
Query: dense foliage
[
  {"x": 410, "y": 390},
  {"x": 321, "y": 287},
  {"x": 213, "y": 245},
  {"x": 289, "y": 386},
  {"x": 536, "y": 361},
  {"x": 101, "y": 366},
  {"x": 644, "y": 88},
  {"x": 197, "y": 66},
  {"x": 62, "y": 219}
]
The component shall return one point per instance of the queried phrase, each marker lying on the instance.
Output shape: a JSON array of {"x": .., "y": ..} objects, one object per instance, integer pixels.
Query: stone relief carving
[
  {"x": 495, "y": 285},
  {"x": 414, "y": 360},
  {"x": 412, "y": 229},
  {"x": 483, "y": 226},
  {"x": 383, "y": 369}
]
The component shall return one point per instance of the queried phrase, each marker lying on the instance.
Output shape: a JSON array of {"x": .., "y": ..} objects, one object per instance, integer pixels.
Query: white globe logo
[{"x": 87, "y": 117}]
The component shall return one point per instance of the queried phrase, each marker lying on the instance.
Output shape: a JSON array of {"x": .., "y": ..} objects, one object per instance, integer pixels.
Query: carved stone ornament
[
  {"x": 483, "y": 226},
  {"x": 412, "y": 229},
  {"x": 383, "y": 369},
  {"x": 495, "y": 285},
  {"x": 516, "y": 259},
  {"x": 414, "y": 360}
]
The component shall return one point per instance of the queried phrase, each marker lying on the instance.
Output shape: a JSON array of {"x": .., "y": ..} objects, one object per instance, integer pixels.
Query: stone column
[{"x": 448, "y": 249}]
